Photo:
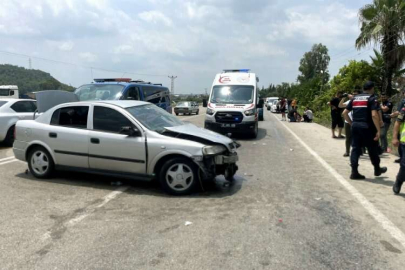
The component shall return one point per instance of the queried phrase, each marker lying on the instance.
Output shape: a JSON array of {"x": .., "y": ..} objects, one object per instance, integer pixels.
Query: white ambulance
[
  {"x": 233, "y": 105},
  {"x": 8, "y": 91}
]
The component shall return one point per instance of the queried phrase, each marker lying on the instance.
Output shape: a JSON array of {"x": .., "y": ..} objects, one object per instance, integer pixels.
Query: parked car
[
  {"x": 273, "y": 107},
  {"x": 130, "y": 139},
  {"x": 187, "y": 107},
  {"x": 12, "y": 110}
]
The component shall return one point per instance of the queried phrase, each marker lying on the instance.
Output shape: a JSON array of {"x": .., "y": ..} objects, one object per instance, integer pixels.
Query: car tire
[
  {"x": 179, "y": 176},
  {"x": 9, "y": 140},
  {"x": 40, "y": 163},
  {"x": 197, "y": 112},
  {"x": 254, "y": 134},
  {"x": 177, "y": 114}
]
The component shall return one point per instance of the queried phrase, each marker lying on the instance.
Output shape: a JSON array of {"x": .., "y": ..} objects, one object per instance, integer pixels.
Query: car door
[
  {"x": 111, "y": 151},
  {"x": 24, "y": 109},
  {"x": 68, "y": 136}
]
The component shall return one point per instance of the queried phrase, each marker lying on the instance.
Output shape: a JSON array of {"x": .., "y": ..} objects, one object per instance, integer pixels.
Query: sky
[{"x": 190, "y": 39}]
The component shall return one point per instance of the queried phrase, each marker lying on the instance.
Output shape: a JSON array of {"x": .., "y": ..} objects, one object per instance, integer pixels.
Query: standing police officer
[{"x": 366, "y": 130}]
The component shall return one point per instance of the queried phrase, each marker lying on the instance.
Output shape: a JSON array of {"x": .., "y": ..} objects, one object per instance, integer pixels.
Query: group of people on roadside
[
  {"x": 291, "y": 108},
  {"x": 367, "y": 121}
]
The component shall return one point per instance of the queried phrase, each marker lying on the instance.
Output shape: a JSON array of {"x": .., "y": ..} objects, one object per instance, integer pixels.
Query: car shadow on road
[
  {"x": 219, "y": 188},
  {"x": 260, "y": 136}
]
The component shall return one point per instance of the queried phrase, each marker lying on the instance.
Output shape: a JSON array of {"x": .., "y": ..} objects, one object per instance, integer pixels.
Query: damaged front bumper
[{"x": 212, "y": 166}]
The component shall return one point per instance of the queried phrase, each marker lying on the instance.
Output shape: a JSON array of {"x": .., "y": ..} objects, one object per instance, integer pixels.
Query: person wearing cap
[{"x": 366, "y": 130}]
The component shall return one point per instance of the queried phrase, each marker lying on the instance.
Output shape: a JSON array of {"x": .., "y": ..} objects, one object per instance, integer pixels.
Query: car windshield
[
  {"x": 154, "y": 118},
  {"x": 232, "y": 94},
  {"x": 4, "y": 92},
  {"x": 184, "y": 104},
  {"x": 99, "y": 92}
]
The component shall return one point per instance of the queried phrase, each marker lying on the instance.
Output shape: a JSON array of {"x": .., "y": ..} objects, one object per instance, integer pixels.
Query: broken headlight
[{"x": 213, "y": 150}]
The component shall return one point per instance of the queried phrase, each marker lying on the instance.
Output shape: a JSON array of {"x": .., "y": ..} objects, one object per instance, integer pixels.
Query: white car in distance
[{"x": 11, "y": 111}]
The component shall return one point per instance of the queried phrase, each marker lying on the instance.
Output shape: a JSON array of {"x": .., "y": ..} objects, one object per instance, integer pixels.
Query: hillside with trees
[{"x": 29, "y": 80}]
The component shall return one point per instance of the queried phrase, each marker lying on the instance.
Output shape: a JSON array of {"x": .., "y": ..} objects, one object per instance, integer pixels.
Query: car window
[
  {"x": 132, "y": 93},
  {"x": 24, "y": 106},
  {"x": 75, "y": 117},
  {"x": 109, "y": 120},
  {"x": 2, "y": 103}
]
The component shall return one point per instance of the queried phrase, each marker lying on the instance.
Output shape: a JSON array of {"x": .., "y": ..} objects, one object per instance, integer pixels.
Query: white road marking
[
  {"x": 372, "y": 210},
  {"x": 7, "y": 162},
  {"x": 90, "y": 210},
  {"x": 7, "y": 158}
]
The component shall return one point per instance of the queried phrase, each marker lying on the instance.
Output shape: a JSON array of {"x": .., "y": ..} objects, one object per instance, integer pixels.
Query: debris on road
[
  {"x": 264, "y": 143},
  {"x": 291, "y": 149},
  {"x": 246, "y": 174},
  {"x": 188, "y": 223},
  {"x": 318, "y": 199}
]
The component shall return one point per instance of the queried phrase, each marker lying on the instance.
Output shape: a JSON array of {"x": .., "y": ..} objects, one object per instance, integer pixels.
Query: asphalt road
[{"x": 285, "y": 211}]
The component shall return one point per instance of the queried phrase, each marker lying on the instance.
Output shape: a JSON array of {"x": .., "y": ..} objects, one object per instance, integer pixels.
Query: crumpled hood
[{"x": 194, "y": 131}]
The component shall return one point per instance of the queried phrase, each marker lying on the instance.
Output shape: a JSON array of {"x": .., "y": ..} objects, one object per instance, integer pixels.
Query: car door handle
[
  {"x": 53, "y": 135},
  {"x": 95, "y": 141}
]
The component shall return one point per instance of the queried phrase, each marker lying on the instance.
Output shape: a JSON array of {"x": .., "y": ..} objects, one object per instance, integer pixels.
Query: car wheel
[
  {"x": 9, "y": 140},
  {"x": 40, "y": 163},
  {"x": 197, "y": 112},
  {"x": 177, "y": 114},
  {"x": 179, "y": 176},
  {"x": 254, "y": 134}
]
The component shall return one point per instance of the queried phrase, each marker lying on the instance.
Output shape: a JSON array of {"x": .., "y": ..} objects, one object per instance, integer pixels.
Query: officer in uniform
[
  {"x": 366, "y": 129},
  {"x": 399, "y": 132}
]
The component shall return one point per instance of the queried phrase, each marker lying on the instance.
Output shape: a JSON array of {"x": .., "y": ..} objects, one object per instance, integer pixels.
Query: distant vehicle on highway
[
  {"x": 130, "y": 139},
  {"x": 126, "y": 89},
  {"x": 9, "y": 91},
  {"x": 187, "y": 107},
  {"x": 270, "y": 101},
  {"x": 233, "y": 105},
  {"x": 12, "y": 110},
  {"x": 273, "y": 106}
]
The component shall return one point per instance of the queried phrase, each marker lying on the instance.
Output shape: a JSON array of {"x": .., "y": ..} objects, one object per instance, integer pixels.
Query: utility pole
[
  {"x": 29, "y": 63},
  {"x": 172, "y": 87}
]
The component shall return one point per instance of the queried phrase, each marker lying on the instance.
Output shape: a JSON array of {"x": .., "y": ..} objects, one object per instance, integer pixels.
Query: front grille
[{"x": 229, "y": 117}]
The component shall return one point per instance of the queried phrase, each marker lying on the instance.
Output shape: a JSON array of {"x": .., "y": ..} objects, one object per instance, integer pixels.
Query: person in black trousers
[{"x": 366, "y": 130}]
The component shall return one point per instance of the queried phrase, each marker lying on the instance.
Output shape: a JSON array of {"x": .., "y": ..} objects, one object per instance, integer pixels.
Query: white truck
[
  {"x": 8, "y": 91},
  {"x": 234, "y": 104}
]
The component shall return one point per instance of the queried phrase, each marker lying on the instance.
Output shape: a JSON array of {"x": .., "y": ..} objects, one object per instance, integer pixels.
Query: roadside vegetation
[{"x": 382, "y": 26}]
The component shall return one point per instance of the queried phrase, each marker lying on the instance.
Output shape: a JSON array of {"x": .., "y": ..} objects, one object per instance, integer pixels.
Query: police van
[
  {"x": 8, "y": 91},
  {"x": 233, "y": 105},
  {"x": 126, "y": 89}
]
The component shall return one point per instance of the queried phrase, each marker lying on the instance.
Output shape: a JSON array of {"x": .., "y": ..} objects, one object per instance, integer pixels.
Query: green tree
[
  {"x": 383, "y": 23},
  {"x": 315, "y": 64}
]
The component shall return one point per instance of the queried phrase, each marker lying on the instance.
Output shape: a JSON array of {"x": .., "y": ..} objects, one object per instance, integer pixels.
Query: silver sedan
[{"x": 129, "y": 139}]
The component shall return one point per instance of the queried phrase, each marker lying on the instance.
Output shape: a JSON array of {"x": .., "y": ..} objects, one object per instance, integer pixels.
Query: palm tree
[{"x": 383, "y": 23}]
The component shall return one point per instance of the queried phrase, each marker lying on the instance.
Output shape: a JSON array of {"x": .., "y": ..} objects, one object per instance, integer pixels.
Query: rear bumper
[
  {"x": 237, "y": 128},
  {"x": 19, "y": 149}
]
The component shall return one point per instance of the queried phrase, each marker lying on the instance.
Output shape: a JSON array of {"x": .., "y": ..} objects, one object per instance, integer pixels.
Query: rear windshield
[
  {"x": 99, "y": 92},
  {"x": 2, "y": 103},
  {"x": 183, "y": 104}
]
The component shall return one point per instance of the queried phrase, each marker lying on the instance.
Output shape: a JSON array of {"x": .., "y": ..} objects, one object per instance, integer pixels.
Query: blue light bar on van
[{"x": 236, "y": 70}]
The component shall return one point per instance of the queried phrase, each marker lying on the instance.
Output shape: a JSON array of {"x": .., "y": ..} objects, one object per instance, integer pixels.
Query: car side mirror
[
  {"x": 130, "y": 131},
  {"x": 12, "y": 93}
]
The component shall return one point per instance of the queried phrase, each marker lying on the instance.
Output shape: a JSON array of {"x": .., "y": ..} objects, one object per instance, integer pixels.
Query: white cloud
[
  {"x": 88, "y": 57},
  {"x": 155, "y": 17},
  {"x": 124, "y": 49},
  {"x": 66, "y": 46}
]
